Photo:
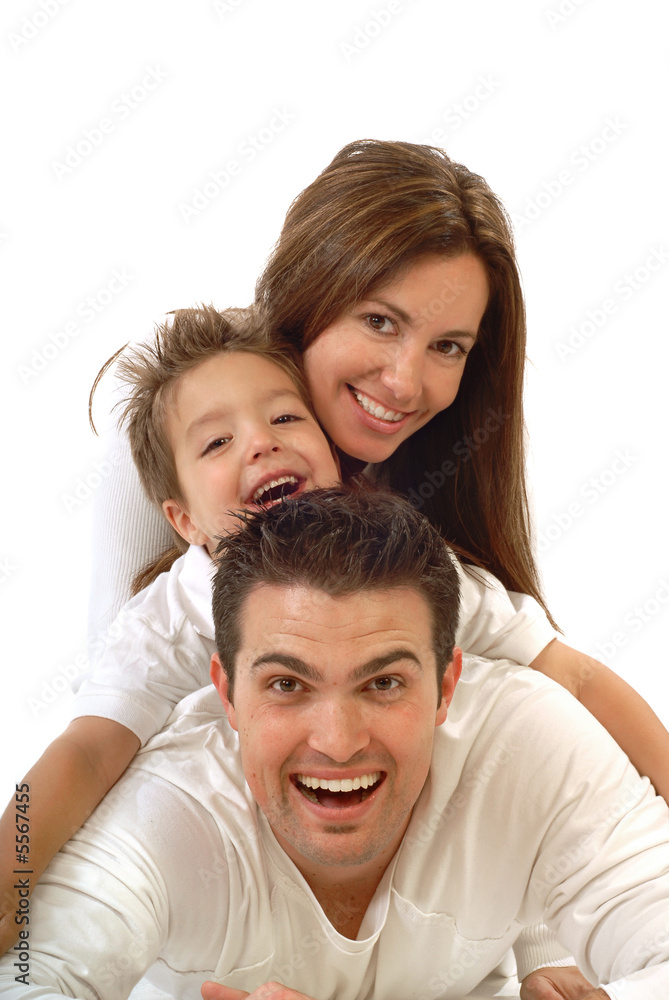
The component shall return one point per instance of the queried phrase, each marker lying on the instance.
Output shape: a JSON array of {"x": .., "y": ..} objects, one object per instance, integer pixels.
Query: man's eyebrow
[
  {"x": 406, "y": 318},
  {"x": 310, "y": 673},
  {"x": 292, "y": 663},
  {"x": 222, "y": 413}
]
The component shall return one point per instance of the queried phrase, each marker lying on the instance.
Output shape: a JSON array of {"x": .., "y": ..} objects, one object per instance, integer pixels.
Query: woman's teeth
[{"x": 376, "y": 410}]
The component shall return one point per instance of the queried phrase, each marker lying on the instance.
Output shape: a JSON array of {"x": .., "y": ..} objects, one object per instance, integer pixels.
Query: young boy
[{"x": 219, "y": 421}]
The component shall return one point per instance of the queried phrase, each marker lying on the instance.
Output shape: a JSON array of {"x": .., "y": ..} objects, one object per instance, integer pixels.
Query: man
[{"x": 363, "y": 823}]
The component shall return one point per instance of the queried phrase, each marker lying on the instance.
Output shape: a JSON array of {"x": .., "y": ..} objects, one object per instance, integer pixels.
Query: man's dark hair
[{"x": 338, "y": 541}]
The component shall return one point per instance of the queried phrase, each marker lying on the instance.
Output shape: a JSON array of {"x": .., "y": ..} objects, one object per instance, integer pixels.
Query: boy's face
[{"x": 240, "y": 435}]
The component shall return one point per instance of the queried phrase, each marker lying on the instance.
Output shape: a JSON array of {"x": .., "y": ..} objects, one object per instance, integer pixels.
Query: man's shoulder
[{"x": 503, "y": 710}]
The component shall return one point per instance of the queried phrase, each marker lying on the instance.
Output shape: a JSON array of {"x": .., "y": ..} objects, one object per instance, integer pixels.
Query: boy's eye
[
  {"x": 216, "y": 443},
  {"x": 286, "y": 418}
]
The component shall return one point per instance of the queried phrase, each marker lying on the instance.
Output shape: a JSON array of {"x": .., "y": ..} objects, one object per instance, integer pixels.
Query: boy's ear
[
  {"x": 180, "y": 520},
  {"x": 219, "y": 679},
  {"x": 451, "y": 678}
]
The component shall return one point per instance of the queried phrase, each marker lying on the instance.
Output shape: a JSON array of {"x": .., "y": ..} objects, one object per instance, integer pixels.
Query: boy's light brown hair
[{"x": 151, "y": 373}]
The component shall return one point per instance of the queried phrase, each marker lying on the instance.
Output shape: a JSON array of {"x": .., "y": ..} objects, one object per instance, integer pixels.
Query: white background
[{"x": 514, "y": 90}]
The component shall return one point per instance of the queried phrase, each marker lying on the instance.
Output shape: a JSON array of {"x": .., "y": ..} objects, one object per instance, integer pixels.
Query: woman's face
[{"x": 394, "y": 360}]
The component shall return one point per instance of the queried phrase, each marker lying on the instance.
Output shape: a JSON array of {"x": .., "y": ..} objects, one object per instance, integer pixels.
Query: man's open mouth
[
  {"x": 275, "y": 489},
  {"x": 337, "y": 793}
]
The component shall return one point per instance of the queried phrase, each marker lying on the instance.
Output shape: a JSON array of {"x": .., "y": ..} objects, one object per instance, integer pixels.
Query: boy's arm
[
  {"x": 65, "y": 785},
  {"x": 627, "y": 717}
]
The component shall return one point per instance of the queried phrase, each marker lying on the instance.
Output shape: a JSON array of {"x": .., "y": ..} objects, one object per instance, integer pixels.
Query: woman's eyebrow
[{"x": 406, "y": 318}]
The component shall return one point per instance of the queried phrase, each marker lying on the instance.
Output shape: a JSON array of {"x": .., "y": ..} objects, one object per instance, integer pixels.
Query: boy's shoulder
[{"x": 182, "y": 593}]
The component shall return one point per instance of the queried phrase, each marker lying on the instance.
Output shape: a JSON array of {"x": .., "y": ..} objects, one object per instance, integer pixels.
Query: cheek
[{"x": 444, "y": 388}]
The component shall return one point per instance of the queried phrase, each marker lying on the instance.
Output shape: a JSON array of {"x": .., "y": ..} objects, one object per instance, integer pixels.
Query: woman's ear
[{"x": 181, "y": 521}]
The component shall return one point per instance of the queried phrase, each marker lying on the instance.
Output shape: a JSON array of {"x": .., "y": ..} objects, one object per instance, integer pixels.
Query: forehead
[
  {"x": 225, "y": 384},
  {"x": 307, "y": 622}
]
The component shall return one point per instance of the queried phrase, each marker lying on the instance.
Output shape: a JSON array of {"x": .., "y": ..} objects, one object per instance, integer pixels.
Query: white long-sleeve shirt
[{"x": 530, "y": 811}]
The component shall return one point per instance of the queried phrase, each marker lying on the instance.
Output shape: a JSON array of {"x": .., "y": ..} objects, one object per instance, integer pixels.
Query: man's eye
[
  {"x": 384, "y": 684},
  {"x": 217, "y": 443},
  {"x": 286, "y": 685}
]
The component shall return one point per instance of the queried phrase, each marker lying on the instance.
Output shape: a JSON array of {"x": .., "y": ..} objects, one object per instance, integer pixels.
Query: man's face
[{"x": 331, "y": 690}]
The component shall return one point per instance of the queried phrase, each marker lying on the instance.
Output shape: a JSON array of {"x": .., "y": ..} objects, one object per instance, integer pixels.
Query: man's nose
[
  {"x": 338, "y": 731},
  {"x": 403, "y": 374}
]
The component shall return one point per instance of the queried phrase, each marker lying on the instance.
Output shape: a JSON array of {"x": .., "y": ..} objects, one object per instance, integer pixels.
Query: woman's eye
[
  {"x": 450, "y": 349},
  {"x": 286, "y": 685},
  {"x": 216, "y": 443},
  {"x": 379, "y": 323}
]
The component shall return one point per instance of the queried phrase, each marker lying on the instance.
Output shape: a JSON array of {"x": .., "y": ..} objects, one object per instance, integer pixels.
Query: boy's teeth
[
  {"x": 340, "y": 784},
  {"x": 377, "y": 410},
  {"x": 275, "y": 482}
]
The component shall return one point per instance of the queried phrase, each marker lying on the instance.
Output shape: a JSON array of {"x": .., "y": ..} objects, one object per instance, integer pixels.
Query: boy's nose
[{"x": 262, "y": 442}]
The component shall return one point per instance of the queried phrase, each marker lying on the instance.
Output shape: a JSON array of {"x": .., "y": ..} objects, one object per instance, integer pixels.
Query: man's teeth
[
  {"x": 376, "y": 410},
  {"x": 271, "y": 485},
  {"x": 340, "y": 784}
]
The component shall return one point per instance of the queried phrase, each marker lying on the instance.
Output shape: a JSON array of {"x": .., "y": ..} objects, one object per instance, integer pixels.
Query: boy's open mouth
[
  {"x": 339, "y": 792},
  {"x": 275, "y": 489}
]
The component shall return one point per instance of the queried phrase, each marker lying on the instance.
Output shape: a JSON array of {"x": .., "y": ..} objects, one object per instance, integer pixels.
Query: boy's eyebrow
[
  {"x": 310, "y": 673},
  {"x": 220, "y": 412}
]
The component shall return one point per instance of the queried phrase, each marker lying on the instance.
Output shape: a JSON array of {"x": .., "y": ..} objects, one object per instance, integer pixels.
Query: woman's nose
[{"x": 403, "y": 375}]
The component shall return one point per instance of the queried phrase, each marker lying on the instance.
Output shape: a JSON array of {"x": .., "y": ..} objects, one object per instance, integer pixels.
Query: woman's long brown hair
[{"x": 376, "y": 209}]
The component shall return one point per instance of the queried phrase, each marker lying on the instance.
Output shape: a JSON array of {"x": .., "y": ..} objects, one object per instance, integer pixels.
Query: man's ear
[
  {"x": 219, "y": 679},
  {"x": 180, "y": 520},
  {"x": 451, "y": 678}
]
